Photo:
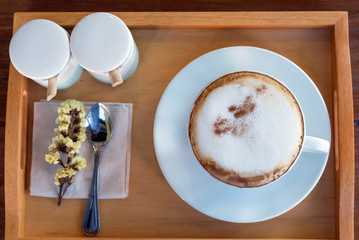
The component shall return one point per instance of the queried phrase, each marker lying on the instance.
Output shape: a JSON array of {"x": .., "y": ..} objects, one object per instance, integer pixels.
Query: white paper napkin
[{"x": 114, "y": 160}]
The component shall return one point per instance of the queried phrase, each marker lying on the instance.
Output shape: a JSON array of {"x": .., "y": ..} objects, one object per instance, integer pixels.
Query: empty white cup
[
  {"x": 40, "y": 50},
  {"x": 103, "y": 45}
]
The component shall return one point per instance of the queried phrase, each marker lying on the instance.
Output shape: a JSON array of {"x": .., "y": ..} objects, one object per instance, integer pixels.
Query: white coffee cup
[
  {"x": 40, "y": 50},
  {"x": 307, "y": 143},
  {"x": 103, "y": 45}
]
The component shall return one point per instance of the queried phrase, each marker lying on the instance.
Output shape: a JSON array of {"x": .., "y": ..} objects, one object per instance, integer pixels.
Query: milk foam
[{"x": 266, "y": 138}]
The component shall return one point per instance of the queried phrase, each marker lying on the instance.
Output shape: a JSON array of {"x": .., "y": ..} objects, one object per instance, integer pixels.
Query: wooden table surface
[{"x": 8, "y": 7}]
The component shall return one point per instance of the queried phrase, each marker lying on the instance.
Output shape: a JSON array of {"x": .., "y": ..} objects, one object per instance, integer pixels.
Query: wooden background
[{"x": 8, "y": 7}]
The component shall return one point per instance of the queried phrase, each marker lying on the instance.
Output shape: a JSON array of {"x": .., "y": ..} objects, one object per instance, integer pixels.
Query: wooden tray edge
[
  {"x": 15, "y": 131},
  {"x": 344, "y": 131},
  {"x": 195, "y": 20}
]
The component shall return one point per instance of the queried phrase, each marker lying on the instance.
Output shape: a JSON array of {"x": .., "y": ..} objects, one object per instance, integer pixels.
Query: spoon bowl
[{"x": 98, "y": 126}]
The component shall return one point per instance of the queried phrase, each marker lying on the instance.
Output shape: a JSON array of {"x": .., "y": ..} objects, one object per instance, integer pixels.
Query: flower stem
[
  {"x": 66, "y": 187},
  {"x": 59, "y": 197},
  {"x": 61, "y": 163}
]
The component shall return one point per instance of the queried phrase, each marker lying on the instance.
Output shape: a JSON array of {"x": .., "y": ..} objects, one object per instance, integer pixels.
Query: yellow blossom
[
  {"x": 76, "y": 105},
  {"x": 63, "y": 118},
  {"x": 73, "y": 147},
  {"x": 82, "y": 136},
  {"x": 71, "y": 104},
  {"x": 77, "y": 145},
  {"x": 82, "y": 115},
  {"x": 64, "y": 109},
  {"x": 73, "y": 151},
  {"x": 68, "y": 142},
  {"x": 66, "y": 172},
  {"x": 52, "y": 157},
  {"x": 55, "y": 141},
  {"x": 63, "y": 127},
  {"x": 79, "y": 163},
  {"x": 58, "y": 131},
  {"x": 58, "y": 138},
  {"x": 82, "y": 125}
]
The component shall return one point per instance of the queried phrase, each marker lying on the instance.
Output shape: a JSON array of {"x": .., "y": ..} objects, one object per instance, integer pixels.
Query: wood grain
[{"x": 8, "y": 7}]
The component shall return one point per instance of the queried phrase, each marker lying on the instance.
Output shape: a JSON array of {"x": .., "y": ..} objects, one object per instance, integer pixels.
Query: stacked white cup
[
  {"x": 103, "y": 45},
  {"x": 40, "y": 50}
]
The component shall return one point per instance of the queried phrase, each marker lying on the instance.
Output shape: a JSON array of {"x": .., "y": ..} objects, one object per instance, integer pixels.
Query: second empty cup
[{"x": 103, "y": 45}]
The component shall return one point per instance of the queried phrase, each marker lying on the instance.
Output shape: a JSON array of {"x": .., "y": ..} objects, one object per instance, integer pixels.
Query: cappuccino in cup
[{"x": 246, "y": 129}]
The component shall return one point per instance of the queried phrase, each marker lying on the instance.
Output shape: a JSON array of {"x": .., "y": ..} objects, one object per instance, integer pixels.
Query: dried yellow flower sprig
[{"x": 71, "y": 133}]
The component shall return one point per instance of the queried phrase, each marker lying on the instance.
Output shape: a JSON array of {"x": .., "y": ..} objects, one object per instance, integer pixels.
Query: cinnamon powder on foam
[{"x": 224, "y": 125}]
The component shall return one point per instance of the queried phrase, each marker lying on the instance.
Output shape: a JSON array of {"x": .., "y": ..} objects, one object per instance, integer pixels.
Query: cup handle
[
  {"x": 51, "y": 88},
  {"x": 315, "y": 145},
  {"x": 115, "y": 77}
]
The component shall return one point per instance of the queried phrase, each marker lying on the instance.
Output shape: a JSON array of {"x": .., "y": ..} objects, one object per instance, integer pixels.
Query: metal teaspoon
[{"x": 99, "y": 131}]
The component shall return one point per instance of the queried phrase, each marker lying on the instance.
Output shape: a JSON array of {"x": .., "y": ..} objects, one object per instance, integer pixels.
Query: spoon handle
[{"x": 91, "y": 223}]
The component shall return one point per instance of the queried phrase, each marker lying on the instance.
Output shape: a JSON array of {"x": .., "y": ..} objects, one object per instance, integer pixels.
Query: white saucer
[{"x": 188, "y": 178}]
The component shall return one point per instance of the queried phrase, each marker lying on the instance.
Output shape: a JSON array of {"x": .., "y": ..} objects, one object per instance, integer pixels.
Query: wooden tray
[{"x": 316, "y": 41}]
